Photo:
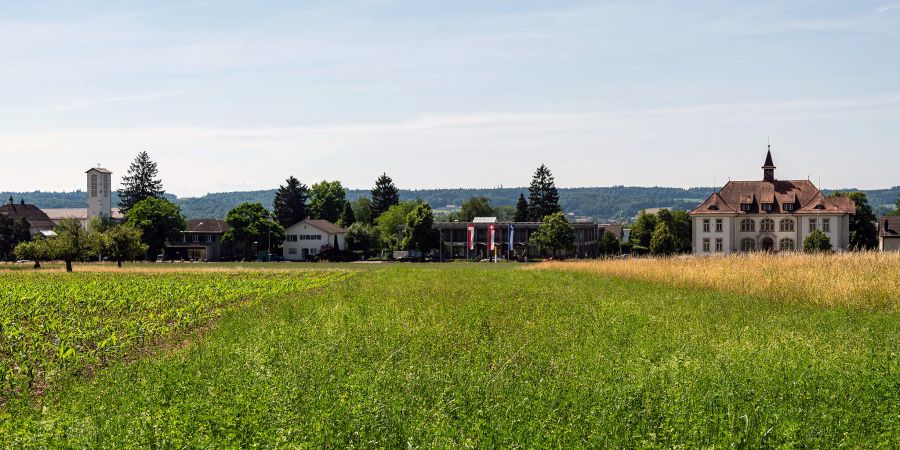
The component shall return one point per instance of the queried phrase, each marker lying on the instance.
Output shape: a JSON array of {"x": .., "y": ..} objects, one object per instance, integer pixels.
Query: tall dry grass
[{"x": 866, "y": 280}]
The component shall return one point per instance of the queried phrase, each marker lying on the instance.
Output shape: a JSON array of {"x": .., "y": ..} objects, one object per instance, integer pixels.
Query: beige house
[
  {"x": 307, "y": 238},
  {"x": 889, "y": 234},
  {"x": 769, "y": 215}
]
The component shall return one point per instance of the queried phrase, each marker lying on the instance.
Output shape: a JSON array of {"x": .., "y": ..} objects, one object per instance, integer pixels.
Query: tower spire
[{"x": 769, "y": 167}]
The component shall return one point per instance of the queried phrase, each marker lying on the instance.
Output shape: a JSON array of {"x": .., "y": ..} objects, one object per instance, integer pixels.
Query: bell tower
[
  {"x": 99, "y": 198},
  {"x": 769, "y": 168}
]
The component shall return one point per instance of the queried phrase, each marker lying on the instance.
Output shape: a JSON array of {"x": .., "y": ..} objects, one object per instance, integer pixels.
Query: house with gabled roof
[
  {"x": 304, "y": 240},
  {"x": 889, "y": 234},
  {"x": 769, "y": 215}
]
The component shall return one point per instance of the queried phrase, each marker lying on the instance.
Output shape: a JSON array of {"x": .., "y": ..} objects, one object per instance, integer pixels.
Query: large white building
[
  {"x": 769, "y": 215},
  {"x": 99, "y": 200},
  {"x": 307, "y": 238}
]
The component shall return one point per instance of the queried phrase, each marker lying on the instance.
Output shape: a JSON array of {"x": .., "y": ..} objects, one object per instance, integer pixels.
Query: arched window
[
  {"x": 767, "y": 225},
  {"x": 748, "y": 245},
  {"x": 748, "y": 225},
  {"x": 787, "y": 245},
  {"x": 786, "y": 225}
]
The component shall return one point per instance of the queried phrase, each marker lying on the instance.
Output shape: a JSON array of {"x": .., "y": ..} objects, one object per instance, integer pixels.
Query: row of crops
[{"x": 56, "y": 325}]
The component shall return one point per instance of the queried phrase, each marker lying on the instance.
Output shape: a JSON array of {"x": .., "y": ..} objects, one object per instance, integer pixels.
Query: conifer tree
[
  {"x": 521, "y": 209},
  {"x": 140, "y": 182},
  {"x": 290, "y": 202},
  {"x": 543, "y": 197},
  {"x": 348, "y": 217},
  {"x": 384, "y": 195}
]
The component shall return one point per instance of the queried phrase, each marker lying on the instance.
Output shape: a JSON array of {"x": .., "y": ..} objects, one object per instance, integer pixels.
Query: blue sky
[{"x": 236, "y": 95}]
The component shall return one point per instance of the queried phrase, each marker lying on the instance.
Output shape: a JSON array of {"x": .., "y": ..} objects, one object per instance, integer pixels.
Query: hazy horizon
[{"x": 235, "y": 96}]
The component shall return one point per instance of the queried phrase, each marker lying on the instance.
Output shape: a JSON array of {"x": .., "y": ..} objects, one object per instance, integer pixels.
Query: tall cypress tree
[
  {"x": 140, "y": 182},
  {"x": 290, "y": 202},
  {"x": 347, "y": 216},
  {"x": 521, "y": 209},
  {"x": 543, "y": 198},
  {"x": 384, "y": 195}
]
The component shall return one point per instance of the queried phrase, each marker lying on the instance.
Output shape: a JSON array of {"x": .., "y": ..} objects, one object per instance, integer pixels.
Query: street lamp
[{"x": 256, "y": 249}]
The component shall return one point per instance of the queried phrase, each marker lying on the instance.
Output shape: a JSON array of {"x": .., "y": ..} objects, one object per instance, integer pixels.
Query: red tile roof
[
  {"x": 801, "y": 194},
  {"x": 36, "y": 218},
  {"x": 326, "y": 226}
]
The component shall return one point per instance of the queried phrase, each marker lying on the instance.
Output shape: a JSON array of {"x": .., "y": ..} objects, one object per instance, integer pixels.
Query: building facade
[
  {"x": 304, "y": 240},
  {"x": 99, "y": 201},
  {"x": 38, "y": 221},
  {"x": 770, "y": 215},
  {"x": 889, "y": 234},
  {"x": 202, "y": 241},
  {"x": 454, "y": 240}
]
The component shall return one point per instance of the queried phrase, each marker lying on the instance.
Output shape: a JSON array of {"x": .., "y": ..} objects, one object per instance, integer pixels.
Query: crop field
[{"x": 571, "y": 355}]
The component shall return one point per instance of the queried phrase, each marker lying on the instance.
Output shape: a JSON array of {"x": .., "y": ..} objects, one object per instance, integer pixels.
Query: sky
[{"x": 238, "y": 95}]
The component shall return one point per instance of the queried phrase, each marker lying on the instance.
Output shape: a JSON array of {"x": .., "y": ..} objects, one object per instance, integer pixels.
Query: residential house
[{"x": 307, "y": 238}]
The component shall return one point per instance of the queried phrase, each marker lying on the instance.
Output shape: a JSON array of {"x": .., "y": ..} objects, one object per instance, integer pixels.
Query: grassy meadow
[{"x": 467, "y": 355}]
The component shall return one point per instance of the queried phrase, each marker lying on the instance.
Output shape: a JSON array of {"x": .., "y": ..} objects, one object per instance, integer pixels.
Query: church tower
[
  {"x": 769, "y": 168},
  {"x": 99, "y": 198}
]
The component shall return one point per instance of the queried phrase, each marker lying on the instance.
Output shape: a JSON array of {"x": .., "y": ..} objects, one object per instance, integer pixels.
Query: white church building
[
  {"x": 99, "y": 200},
  {"x": 769, "y": 215}
]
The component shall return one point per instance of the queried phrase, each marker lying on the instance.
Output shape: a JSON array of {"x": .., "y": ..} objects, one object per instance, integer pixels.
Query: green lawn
[{"x": 478, "y": 355}]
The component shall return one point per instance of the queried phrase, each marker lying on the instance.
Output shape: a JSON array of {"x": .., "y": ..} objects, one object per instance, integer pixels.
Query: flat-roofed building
[{"x": 454, "y": 240}]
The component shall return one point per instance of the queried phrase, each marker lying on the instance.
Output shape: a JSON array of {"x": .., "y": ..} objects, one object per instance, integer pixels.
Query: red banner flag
[
  {"x": 491, "y": 238},
  {"x": 471, "y": 237}
]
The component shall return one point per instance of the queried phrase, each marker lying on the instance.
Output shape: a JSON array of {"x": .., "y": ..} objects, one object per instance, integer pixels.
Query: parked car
[{"x": 24, "y": 261}]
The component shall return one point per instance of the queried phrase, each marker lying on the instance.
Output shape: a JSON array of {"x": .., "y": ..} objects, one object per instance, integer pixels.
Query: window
[
  {"x": 106, "y": 186},
  {"x": 195, "y": 238},
  {"x": 312, "y": 251},
  {"x": 746, "y": 206},
  {"x": 706, "y": 245},
  {"x": 718, "y": 225},
  {"x": 788, "y": 206},
  {"x": 719, "y": 248},
  {"x": 292, "y": 238},
  {"x": 292, "y": 251},
  {"x": 767, "y": 225},
  {"x": 786, "y": 225},
  {"x": 748, "y": 225},
  {"x": 93, "y": 185},
  {"x": 706, "y": 225},
  {"x": 826, "y": 225},
  {"x": 748, "y": 245},
  {"x": 766, "y": 206},
  {"x": 813, "y": 225},
  {"x": 787, "y": 245}
]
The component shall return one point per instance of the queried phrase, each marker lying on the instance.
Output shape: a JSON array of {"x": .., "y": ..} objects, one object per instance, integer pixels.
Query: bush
[{"x": 816, "y": 242}]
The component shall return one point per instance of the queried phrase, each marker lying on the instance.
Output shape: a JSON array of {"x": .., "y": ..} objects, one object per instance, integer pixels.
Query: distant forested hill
[{"x": 602, "y": 203}]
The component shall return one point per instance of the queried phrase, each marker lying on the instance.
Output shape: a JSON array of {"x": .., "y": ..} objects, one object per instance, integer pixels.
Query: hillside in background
[{"x": 600, "y": 203}]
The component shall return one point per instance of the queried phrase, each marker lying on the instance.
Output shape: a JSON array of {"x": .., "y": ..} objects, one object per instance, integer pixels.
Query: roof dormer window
[
  {"x": 788, "y": 206},
  {"x": 766, "y": 206},
  {"x": 746, "y": 206},
  {"x": 820, "y": 206}
]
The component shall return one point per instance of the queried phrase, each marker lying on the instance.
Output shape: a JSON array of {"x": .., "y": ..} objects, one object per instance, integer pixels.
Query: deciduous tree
[
  {"x": 389, "y": 223},
  {"x": 123, "y": 243},
  {"x": 863, "y": 224},
  {"x": 419, "y": 234},
  {"x": 816, "y": 242},
  {"x": 642, "y": 231},
  {"x": 662, "y": 242},
  {"x": 476, "y": 207},
  {"x": 251, "y": 222},
  {"x": 362, "y": 210},
  {"x": 554, "y": 234},
  {"x": 159, "y": 221},
  {"x": 609, "y": 244},
  {"x": 327, "y": 200}
]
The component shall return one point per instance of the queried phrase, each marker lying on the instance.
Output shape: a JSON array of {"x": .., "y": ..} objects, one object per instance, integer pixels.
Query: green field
[{"x": 445, "y": 356}]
